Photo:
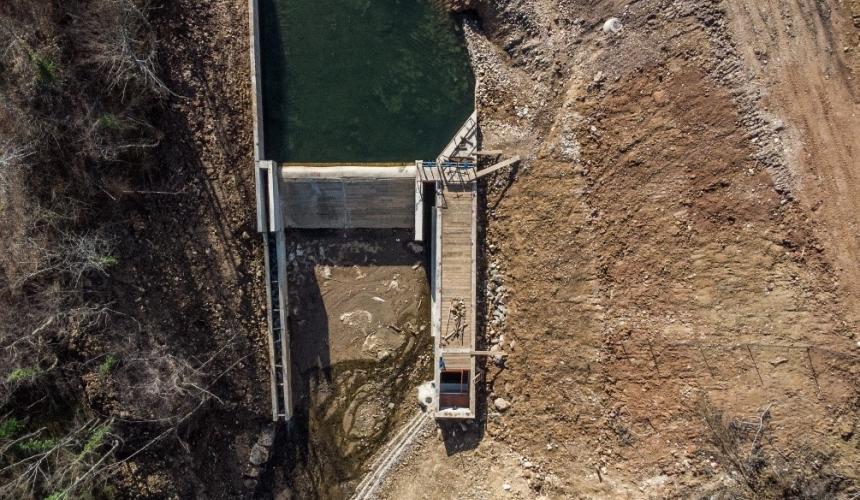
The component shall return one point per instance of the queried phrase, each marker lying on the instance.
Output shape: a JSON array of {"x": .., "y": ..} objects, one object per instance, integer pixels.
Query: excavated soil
[{"x": 679, "y": 242}]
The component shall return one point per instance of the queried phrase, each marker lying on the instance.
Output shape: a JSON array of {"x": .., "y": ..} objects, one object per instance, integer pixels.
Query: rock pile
[
  {"x": 497, "y": 311},
  {"x": 259, "y": 456}
]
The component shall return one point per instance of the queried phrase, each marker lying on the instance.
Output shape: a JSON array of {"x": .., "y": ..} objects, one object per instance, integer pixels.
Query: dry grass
[{"x": 762, "y": 470}]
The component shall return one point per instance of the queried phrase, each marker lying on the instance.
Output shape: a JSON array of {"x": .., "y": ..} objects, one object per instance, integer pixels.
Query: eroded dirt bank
[{"x": 679, "y": 316}]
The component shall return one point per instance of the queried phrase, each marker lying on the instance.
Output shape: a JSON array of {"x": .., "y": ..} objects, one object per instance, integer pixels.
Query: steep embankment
[
  {"x": 197, "y": 276},
  {"x": 676, "y": 322}
]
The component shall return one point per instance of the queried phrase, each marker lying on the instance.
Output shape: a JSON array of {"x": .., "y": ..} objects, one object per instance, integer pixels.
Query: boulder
[{"x": 259, "y": 455}]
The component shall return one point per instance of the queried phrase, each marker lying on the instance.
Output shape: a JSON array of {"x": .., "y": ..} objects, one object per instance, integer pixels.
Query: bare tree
[
  {"x": 76, "y": 78},
  {"x": 111, "y": 137},
  {"x": 763, "y": 471},
  {"x": 121, "y": 41},
  {"x": 159, "y": 386}
]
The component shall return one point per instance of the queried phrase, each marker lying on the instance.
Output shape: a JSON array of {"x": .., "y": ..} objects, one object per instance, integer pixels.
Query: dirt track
[
  {"x": 805, "y": 56},
  {"x": 662, "y": 247}
]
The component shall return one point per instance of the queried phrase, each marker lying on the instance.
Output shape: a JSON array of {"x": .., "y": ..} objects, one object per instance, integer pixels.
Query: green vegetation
[
  {"x": 9, "y": 428},
  {"x": 96, "y": 439},
  {"x": 107, "y": 366},
  {"x": 36, "y": 445},
  {"x": 46, "y": 69},
  {"x": 110, "y": 121},
  {"x": 107, "y": 261},
  {"x": 22, "y": 374}
]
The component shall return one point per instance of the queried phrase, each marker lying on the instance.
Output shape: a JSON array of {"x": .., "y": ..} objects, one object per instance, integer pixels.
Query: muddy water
[
  {"x": 361, "y": 80},
  {"x": 360, "y": 337}
]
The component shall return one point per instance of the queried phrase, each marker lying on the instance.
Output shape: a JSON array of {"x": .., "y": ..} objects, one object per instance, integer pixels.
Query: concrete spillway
[{"x": 348, "y": 197}]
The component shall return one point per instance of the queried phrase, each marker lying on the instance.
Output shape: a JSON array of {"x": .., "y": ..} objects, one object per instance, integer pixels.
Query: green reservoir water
[{"x": 361, "y": 80}]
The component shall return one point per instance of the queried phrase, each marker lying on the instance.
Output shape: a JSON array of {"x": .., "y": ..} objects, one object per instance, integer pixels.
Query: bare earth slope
[{"x": 679, "y": 248}]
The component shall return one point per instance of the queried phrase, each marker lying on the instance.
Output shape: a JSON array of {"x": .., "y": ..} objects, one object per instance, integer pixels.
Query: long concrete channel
[{"x": 377, "y": 196}]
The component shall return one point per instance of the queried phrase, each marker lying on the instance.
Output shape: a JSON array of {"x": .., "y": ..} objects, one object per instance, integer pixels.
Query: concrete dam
[{"x": 332, "y": 152}]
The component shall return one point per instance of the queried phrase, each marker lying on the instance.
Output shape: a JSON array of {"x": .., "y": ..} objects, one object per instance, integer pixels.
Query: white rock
[
  {"x": 501, "y": 404},
  {"x": 426, "y": 394},
  {"x": 612, "y": 25},
  {"x": 267, "y": 437}
]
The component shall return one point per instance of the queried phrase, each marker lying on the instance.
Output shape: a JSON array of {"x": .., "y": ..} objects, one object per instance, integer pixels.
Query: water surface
[{"x": 361, "y": 80}]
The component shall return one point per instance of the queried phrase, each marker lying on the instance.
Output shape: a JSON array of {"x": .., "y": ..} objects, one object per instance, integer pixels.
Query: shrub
[
  {"x": 763, "y": 472},
  {"x": 35, "y": 445},
  {"x": 46, "y": 69},
  {"x": 107, "y": 366}
]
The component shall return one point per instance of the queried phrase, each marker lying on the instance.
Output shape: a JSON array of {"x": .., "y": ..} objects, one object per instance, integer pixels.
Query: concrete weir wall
[
  {"x": 348, "y": 197},
  {"x": 313, "y": 198}
]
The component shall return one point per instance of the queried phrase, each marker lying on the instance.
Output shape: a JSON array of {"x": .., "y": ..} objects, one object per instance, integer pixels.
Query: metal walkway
[
  {"x": 280, "y": 354},
  {"x": 464, "y": 144},
  {"x": 457, "y": 249}
]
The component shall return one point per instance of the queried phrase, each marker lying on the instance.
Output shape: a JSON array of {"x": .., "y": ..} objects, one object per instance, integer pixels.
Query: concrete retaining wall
[
  {"x": 270, "y": 225},
  {"x": 256, "y": 80}
]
